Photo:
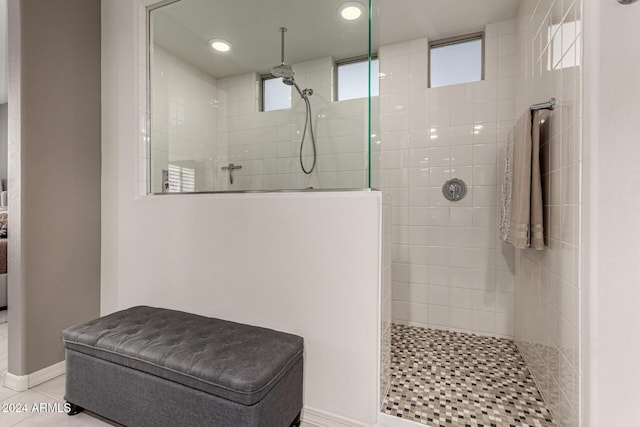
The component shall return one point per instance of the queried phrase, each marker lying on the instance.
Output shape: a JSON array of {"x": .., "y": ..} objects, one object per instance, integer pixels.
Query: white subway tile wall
[
  {"x": 547, "y": 289},
  {"x": 449, "y": 269},
  {"x": 204, "y": 124},
  {"x": 183, "y": 120}
]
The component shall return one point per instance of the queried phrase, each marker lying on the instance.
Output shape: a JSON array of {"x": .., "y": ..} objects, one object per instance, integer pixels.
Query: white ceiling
[
  {"x": 315, "y": 29},
  {"x": 252, "y": 26},
  {"x": 403, "y": 20}
]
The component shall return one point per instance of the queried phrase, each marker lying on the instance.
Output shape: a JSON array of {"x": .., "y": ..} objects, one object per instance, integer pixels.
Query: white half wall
[{"x": 304, "y": 263}]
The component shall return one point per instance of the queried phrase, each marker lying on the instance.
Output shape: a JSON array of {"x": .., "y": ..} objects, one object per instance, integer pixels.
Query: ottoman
[{"x": 147, "y": 366}]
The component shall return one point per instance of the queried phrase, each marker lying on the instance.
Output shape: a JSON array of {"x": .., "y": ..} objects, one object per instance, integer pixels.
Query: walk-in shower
[
  {"x": 287, "y": 74},
  {"x": 229, "y": 120}
]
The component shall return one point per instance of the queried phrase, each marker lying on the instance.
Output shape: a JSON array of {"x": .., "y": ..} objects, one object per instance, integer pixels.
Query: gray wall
[
  {"x": 54, "y": 174},
  {"x": 4, "y": 111}
]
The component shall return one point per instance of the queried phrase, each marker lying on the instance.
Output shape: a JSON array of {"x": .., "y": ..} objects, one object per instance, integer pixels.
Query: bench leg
[
  {"x": 74, "y": 409},
  {"x": 296, "y": 422}
]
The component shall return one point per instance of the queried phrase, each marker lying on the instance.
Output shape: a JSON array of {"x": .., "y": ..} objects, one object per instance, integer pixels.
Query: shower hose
[{"x": 308, "y": 122}]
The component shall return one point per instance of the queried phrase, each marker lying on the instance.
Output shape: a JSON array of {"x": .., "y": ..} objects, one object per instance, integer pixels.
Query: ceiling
[
  {"x": 252, "y": 26},
  {"x": 438, "y": 19},
  {"x": 314, "y": 28}
]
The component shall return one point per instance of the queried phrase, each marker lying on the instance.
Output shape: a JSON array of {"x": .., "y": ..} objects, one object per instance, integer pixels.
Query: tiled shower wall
[
  {"x": 449, "y": 269},
  {"x": 211, "y": 123},
  {"x": 547, "y": 282},
  {"x": 183, "y": 124},
  {"x": 267, "y": 144}
]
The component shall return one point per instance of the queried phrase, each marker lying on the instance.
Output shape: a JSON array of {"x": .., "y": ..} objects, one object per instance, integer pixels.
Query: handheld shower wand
[
  {"x": 303, "y": 93},
  {"x": 308, "y": 122},
  {"x": 286, "y": 73}
]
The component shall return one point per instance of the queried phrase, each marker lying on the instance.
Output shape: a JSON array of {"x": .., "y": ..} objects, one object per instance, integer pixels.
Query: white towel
[{"x": 521, "y": 198}]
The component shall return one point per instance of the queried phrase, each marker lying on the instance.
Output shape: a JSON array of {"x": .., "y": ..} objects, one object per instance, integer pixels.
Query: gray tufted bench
[{"x": 148, "y": 366}]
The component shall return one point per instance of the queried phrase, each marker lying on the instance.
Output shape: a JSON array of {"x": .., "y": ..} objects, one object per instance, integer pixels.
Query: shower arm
[{"x": 282, "y": 31}]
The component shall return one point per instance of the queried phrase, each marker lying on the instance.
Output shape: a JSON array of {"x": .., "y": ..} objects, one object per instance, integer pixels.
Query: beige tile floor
[{"x": 50, "y": 392}]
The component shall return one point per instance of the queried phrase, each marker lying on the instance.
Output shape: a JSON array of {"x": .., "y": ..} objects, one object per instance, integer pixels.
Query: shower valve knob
[{"x": 454, "y": 190}]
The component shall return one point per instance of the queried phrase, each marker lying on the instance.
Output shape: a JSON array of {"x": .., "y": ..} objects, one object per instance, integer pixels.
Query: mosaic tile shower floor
[{"x": 444, "y": 379}]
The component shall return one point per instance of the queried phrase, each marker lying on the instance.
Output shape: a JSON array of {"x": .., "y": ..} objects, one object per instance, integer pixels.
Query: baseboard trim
[
  {"x": 320, "y": 418},
  {"x": 25, "y": 382},
  {"x": 46, "y": 374},
  {"x": 16, "y": 382}
]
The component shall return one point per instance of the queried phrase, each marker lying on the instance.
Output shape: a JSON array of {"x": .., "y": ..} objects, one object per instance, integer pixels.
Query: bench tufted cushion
[{"x": 230, "y": 360}]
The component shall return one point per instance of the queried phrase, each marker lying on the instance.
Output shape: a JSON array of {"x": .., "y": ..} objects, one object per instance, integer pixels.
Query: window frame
[
  {"x": 480, "y": 35},
  {"x": 347, "y": 61},
  {"x": 263, "y": 78}
]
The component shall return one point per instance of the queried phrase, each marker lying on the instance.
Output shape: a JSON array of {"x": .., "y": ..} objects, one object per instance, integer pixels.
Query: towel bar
[{"x": 551, "y": 105}]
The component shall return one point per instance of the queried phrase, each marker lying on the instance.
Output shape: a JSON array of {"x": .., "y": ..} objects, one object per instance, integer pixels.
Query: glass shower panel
[
  {"x": 209, "y": 130},
  {"x": 373, "y": 148}
]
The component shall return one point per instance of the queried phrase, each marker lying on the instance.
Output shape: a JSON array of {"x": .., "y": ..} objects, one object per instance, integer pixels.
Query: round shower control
[{"x": 454, "y": 190}]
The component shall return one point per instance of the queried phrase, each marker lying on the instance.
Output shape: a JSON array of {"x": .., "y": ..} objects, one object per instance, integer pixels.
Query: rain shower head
[
  {"x": 283, "y": 70},
  {"x": 286, "y": 72}
]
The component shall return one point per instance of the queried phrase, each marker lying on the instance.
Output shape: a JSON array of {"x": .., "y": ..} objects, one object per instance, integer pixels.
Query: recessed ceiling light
[
  {"x": 351, "y": 10},
  {"x": 220, "y": 45}
]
